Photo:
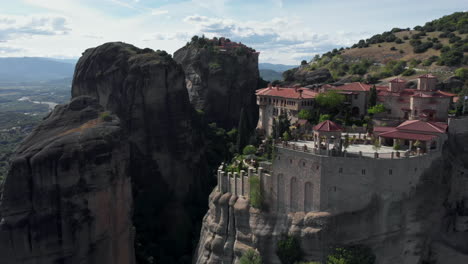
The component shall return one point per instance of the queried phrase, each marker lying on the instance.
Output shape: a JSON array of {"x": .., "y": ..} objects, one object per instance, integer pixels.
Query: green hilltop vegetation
[{"x": 439, "y": 47}]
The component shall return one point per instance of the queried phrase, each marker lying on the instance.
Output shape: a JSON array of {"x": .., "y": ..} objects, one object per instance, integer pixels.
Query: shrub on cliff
[
  {"x": 289, "y": 250},
  {"x": 250, "y": 257},
  {"x": 256, "y": 199},
  {"x": 351, "y": 255},
  {"x": 462, "y": 73}
]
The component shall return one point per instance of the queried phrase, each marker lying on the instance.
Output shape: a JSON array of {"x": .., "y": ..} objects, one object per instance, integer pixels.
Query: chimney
[
  {"x": 277, "y": 87},
  {"x": 270, "y": 85},
  {"x": 300, "y": 93}
]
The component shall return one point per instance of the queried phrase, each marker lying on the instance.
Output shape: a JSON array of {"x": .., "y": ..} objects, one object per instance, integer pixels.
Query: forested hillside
[{"x": 439, "y": 47}]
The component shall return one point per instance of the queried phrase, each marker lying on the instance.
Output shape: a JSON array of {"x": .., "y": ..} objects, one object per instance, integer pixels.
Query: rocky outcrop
[
  {"x": 118, "y": 175},
  {"x": 304, "y": 76},
  {"x": 147, "y": 91},
  {"x": 427, "y": 226},
  {"x": 221, "y": 81},
  {"x": 67, "y": 197}
]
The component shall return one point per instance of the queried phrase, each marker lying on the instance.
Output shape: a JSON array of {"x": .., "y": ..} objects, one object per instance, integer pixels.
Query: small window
[
  {"x": 290, "y": 161},
  {"x": 363, "y": 172},
  {"x": 303, "y": 164},
  {"x": 355, "y": 97},
  {"x": 340, "y": 170},
  {"x": 415, "y": 169},
  {"x": 390, "y": 171},
  {"x": 334, "y": 188},
  {"x": 317, "y": 167}
]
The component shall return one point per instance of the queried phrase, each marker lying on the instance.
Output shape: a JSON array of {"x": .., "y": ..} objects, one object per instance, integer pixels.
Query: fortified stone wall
[{"x": 301, "y": 181}]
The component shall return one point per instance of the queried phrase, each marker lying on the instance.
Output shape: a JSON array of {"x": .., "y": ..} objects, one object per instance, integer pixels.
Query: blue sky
[{"x": 284, "y": 31}]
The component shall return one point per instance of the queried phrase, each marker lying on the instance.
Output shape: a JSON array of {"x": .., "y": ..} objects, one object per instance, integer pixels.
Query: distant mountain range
[
  {"x": 37, "y": 69},
  {"x": 33, "y": 69},
  {"x": 271, "y": 72}
]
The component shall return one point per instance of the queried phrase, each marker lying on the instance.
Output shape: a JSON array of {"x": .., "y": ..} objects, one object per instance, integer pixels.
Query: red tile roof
[
  {"x": 292, "y": 93},
  {"x": 447, "y": 93},
  {"x": 421, "y": 126},
  {"x": 428, "y": 76},
  {"x": 409, "y": 136},
  {"x": 398, "y": 80},
  {"x": 353, "y": 87},
  {"x": 328, "y": 126}
]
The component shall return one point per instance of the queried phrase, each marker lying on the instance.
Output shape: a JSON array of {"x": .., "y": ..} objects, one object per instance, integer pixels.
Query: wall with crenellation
[{"x": 301, "y": 181}]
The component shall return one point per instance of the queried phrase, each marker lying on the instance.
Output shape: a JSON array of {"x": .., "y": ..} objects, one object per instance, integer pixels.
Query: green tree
[
  {"x": 289, "y": 250},
  {"x": 250, "y": 257},
  {"x": 286, "y": 136},
  {"x": 330, "y": 99},
  {"x": 372, "y": 96},
  {"x": 380, "y": 108},
  {"x": 249, "y": 150},
  {"x": 305, "y": 114},
  {"x": 351, "y": 255},
  {"x": 280, "y": 125},
  {"x": 243, "y": 133},
  {"x": 462, "y": 73},
  {"x": 324, "y": 117}
]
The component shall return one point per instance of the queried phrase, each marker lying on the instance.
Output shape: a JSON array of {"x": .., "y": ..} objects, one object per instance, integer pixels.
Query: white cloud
[
  {"x": 158, "y": 12},
  {"x": 13, "y": 27}
]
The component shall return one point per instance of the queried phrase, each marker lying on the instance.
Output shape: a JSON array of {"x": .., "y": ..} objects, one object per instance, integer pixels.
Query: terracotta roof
[
  {"x": 293, "y": 93},
  {"x": 428, "y": 76},
  {"x": 328, "y": 126},
  {"x": 432, "y": 94},
  {"x": 447, "y": 93},
  {"x": 421, "y": 126},
  {"x": 398, "y": 80},
  {"x": 405, "y": 135},
  {"x": 353, "y": 87}
]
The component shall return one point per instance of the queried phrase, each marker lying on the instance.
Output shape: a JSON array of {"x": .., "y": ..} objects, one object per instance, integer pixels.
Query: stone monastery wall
[{"x": 302, "y": 181}]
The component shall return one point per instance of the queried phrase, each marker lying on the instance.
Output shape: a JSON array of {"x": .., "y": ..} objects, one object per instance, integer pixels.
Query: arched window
[{"x": 293, "y": 197}]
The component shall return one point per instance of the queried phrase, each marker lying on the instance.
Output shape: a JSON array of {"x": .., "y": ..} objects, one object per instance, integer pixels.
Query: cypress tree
[
  {"x": 243, "y": 133},
  {"x": 372, "y": 96}
]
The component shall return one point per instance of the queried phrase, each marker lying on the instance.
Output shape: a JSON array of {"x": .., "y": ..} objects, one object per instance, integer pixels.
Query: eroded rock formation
[
  {"x": 67, "y": 197},
  {"x": 428, "y": 226},
  {"x": 147, "y": 91},
  {"x": 221, "y": 81}
]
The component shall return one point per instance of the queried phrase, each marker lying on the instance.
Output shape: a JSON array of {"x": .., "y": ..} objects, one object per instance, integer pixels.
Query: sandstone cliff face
[
  {"x": 221, "y": 83},
  {"x": 428, "y": 226},
  {"x": 67, "y": 197},
  {"x": 147, "y": 91},
  {"x": 84, "y": 190}
]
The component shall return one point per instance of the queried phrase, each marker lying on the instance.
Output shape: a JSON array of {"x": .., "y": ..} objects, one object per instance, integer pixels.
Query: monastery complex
[{"x": 338, "y": 170}]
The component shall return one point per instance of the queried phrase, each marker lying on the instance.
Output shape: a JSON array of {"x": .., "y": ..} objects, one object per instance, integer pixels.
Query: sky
[{"x": 283, "y": 31}]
